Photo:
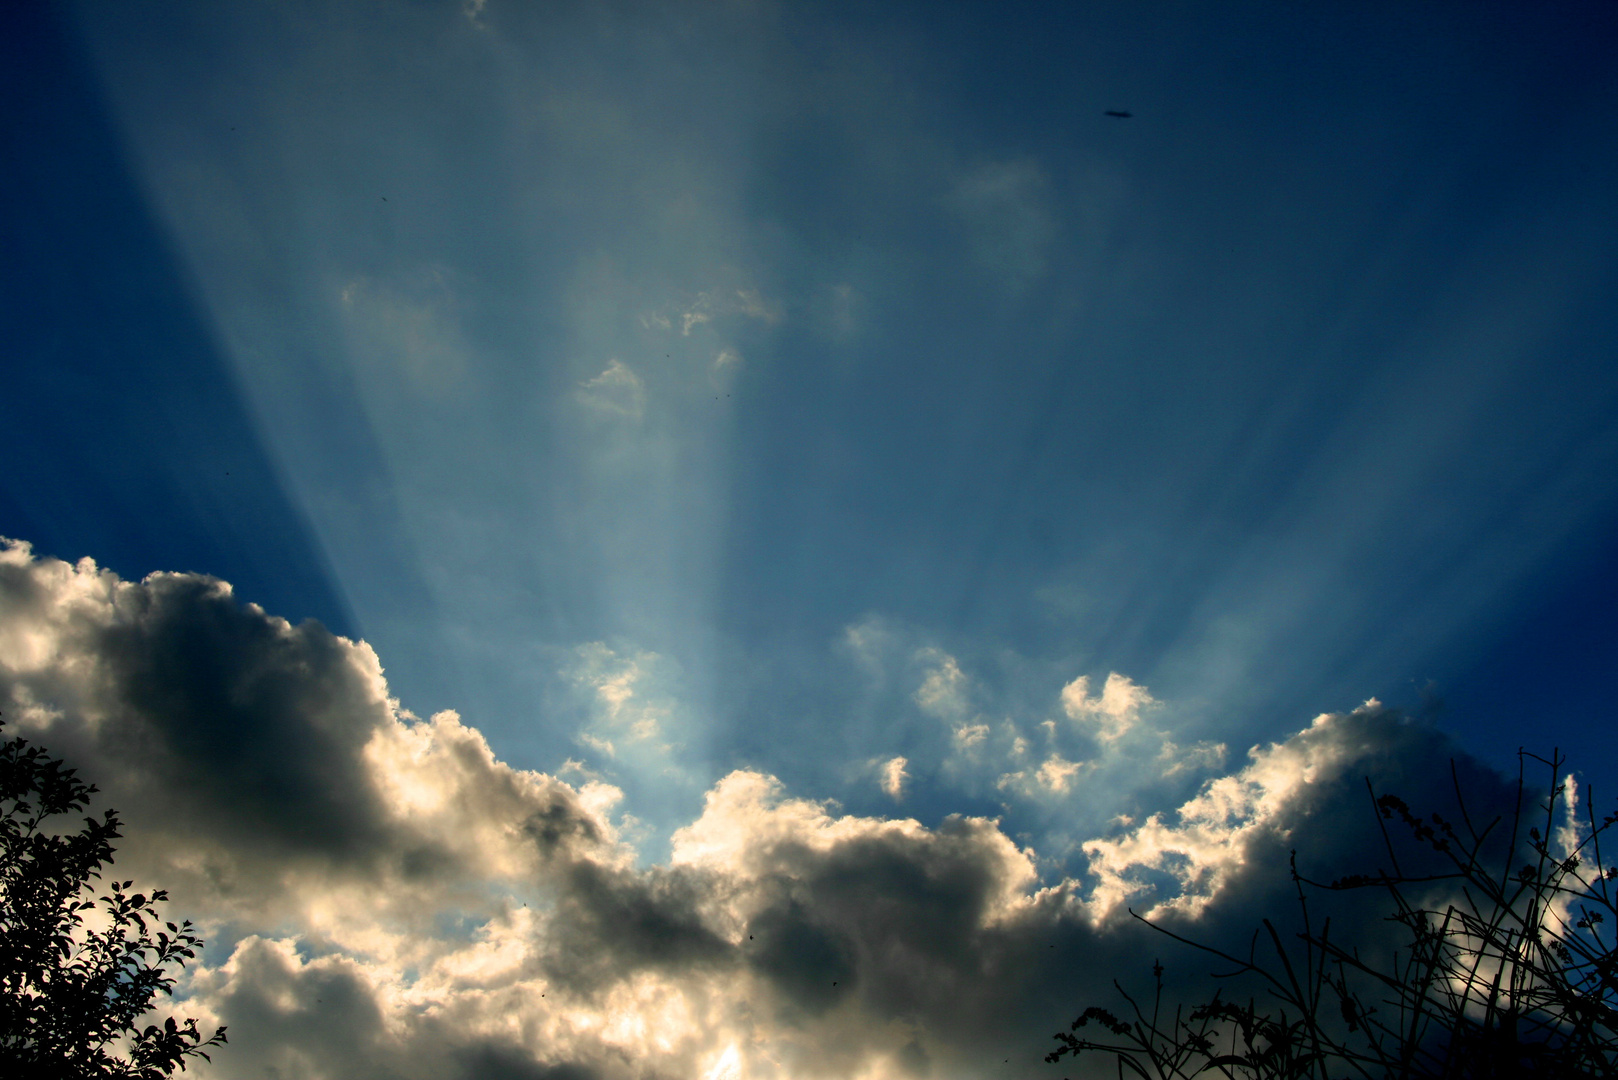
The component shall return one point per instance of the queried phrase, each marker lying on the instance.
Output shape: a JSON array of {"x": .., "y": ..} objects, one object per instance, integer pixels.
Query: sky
[{"x": 802, "y": 473}]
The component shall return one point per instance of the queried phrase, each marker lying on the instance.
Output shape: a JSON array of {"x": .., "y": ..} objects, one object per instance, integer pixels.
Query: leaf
[{"x": 73, "y": 998}]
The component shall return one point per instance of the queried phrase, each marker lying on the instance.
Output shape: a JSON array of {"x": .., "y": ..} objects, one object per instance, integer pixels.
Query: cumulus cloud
[
  {"x": 252, "y": 757},
  {"x": 1054, "y": 775},
  {"x": 871, "y": 642},
  {"x": 1079, "y": 753},
  {"x": 1207, "y": 839},
  {"x": 386, "y": 898},
  {"x": 1115, "y": 710}
]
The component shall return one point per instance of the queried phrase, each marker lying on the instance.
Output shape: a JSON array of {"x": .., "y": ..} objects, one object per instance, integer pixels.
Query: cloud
[
  {"x": 386, "y": 898},
  {"x": 968, "y": 736},
  {"x": 727, "y": 365},
  {"x": 871, "y": 642},
  {"x": 616, "y": 391},
  {"x": 755, "y": 306},
  {"x": 943, "y": 692},
  {"x": 635, "y": 729},
  {"x": 1108, "y": 746},
  {"x": 622, "y": 707},
  {"x": 894, "y": 777},
  {"x": 1116, "y": 710},
  {"x": 252, "y": 757},
  {"x": 1009, "y": 221},
  {"x": 1185, "y": 859},
  {"x": 1065, "y": 771},
  {"x": 410, "y": 327},
  {"x": 710, "y": 305}
]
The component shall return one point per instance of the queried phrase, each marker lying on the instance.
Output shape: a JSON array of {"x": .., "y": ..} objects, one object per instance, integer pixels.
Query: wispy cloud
[
  {"x": 624, "y": 709},
  {"x": 706, "y": 306},
  {"x": 943, "y": 690},
  {"x": 408, "y": 328},
  {"x": 1009, "y": 219},
  {"x": 894, "y": 777},
  {"x": 615, "y": 391}
]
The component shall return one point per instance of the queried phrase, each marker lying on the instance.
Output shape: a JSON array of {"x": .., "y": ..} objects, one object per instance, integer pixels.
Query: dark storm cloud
[
  {"x": 238, "y": 715},
  {"x": 238, "y": 746},
  {"x": 324, "y": 1019},
  {"x": 180, "y": 690},
  {"x": 610, "y": 922},
  {"x": 901, "y": 916}
]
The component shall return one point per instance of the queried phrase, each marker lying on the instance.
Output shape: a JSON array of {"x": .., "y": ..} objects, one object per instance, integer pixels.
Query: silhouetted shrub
[
  {"x": 73, "y": 989},
  {"x": 1511, "y": 973}
]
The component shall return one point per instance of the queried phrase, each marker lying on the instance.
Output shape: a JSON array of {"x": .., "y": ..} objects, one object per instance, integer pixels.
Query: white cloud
[
  {"x": 708, "y": 307},
  {"x": 1571, "y": 829},
  {"x": 722, "y": 372},
  {"x": 872, "y": 642},
  {"x": 1088, "y": 766},
  {"x": 1174, "y": 759},
  {"x": 894, "y": 777},
  {"x": 943, "y": 691},
  {"x": 1053, "y": 776},
  {"x": 1116, "y": 710},
  {"x": 631, "y": 710},
  {"x": 967, "y": 736},
  {"x": 751, "y": 830},
  {"x": 616, "y": 391},
  {"x": 1205, "y": 841}
]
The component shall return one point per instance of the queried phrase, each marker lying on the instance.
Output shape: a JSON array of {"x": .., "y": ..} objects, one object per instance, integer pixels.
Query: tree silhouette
[
  {"x": 1513, "y": 973},
  {"x": 77, "y": 972}
]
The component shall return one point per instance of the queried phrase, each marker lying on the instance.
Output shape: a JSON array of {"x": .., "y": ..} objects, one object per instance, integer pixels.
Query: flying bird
[{"x": 1121, "y": 115}]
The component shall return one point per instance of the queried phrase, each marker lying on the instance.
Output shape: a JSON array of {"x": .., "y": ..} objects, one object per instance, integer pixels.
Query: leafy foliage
[
  {"x": 77, "y": 972},
  {"x": 1511, "y": 974}
]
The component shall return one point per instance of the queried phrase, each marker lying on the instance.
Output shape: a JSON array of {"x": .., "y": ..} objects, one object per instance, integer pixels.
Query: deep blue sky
[{"x": 536, "y": 344}]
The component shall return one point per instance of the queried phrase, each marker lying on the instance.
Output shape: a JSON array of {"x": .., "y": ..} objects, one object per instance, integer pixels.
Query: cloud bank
[{"x": 385, "y": 898}]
